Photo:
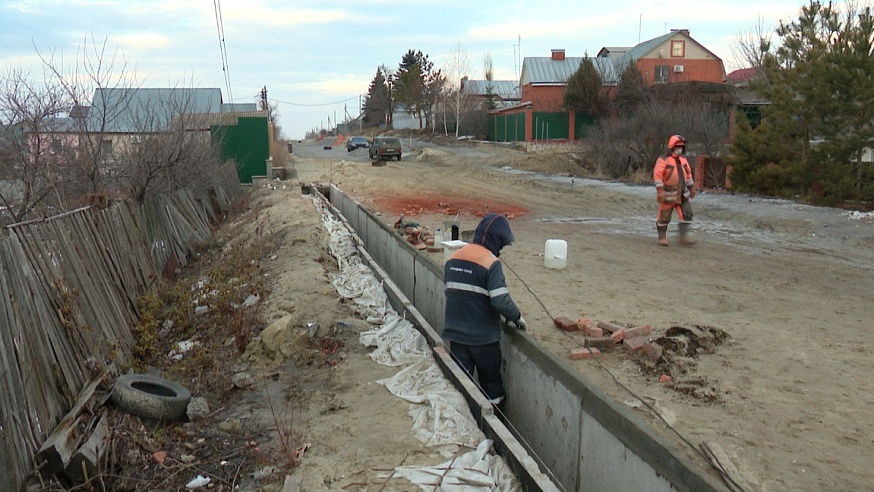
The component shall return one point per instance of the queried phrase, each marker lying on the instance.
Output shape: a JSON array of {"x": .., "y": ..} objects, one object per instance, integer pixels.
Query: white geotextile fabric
[
  {"x": 397, "y": 342},
  {"x": 475, "y": 471},
  {"x": 440, "y": 414},
  {"x": 341, "y": 244},
  {"x": 357, "y": 283}
]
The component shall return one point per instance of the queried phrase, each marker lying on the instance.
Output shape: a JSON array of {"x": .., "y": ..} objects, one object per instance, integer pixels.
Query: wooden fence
[{"x": 68, "y": 290}]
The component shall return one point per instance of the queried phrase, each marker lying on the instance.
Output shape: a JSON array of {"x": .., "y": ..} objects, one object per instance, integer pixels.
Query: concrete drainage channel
[{"x": 568, "y": 435}]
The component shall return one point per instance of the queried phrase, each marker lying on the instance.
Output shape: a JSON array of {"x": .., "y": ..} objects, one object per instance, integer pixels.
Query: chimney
[{"x": 558, "y": 54}]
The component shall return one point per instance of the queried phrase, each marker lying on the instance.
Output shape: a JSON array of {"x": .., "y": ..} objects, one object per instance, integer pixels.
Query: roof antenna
[{"x": 639, "y": 27}]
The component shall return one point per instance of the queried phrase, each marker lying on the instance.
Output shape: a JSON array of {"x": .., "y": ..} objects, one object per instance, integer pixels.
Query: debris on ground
[{"x": 672, "y": 356}]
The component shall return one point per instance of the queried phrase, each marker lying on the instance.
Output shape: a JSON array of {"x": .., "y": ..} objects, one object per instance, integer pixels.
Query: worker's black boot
[
  {"x": 663, "y": 234},
  {"x": 501, "y": 407},
  {"x": 683, "y": 237}
]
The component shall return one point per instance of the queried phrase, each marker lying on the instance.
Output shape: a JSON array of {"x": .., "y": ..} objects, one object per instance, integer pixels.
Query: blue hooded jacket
[
  {"x": 476, "y": 290},
  {"x": 494, "y": 233}
]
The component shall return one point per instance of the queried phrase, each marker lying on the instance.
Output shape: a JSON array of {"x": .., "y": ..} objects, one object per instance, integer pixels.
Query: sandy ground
[
  {"x": 316, "y": 405},
  {"x": 788, "y": 396}
]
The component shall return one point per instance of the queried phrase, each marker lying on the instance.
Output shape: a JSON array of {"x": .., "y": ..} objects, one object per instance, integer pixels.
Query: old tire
[{"x": 150, "y": 397}]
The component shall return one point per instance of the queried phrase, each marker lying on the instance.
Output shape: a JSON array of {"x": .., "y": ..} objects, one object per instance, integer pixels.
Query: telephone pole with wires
[{"x": 264, "y": 106}]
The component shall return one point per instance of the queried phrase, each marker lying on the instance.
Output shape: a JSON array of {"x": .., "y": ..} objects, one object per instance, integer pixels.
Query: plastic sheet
[
  {"x": 440, "y": 413},
  {"x": 474, "y": 471},
  {"x": 397, "y": 342}
]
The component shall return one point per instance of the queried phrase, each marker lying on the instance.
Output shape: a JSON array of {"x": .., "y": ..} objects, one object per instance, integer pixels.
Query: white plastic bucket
[
  {"x": 450, "y": 247},
  {"x": 556, "y": 254}
]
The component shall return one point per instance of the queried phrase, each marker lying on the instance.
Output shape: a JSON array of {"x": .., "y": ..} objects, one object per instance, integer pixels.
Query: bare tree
[
  {"x": 489, "y": 75},
  {"x": 457, "y": 99},
  {"x": 130, "y": 141},
  {"x": 168, "y": 149},
  {"x": 630, "y": 144},
  {"x": 95, "y": 70},
  {"x": 749, "y": 48},
  {"x": 30, "y": 146}
]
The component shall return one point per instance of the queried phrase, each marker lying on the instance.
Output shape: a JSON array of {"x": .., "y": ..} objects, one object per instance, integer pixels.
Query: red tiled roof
[{"x": 742, "y": 75}]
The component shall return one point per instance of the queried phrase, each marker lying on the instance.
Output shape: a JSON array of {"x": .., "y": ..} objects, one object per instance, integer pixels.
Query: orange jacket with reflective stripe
[{"x": 667, "y": 172}]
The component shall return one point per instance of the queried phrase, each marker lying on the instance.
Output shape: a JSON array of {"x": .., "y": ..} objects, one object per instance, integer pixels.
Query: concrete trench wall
[{"x": 580, "y": 438}]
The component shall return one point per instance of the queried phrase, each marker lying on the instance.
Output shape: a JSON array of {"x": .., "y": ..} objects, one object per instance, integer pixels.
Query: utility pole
[{"x": 264, "y": 100}]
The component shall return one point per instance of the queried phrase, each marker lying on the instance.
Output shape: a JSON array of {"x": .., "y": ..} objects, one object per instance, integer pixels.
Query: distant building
[
  {"x": 674, "y": 57},
  {"x": 504, "y": 93},
  {"x": 123, "y": 117}
]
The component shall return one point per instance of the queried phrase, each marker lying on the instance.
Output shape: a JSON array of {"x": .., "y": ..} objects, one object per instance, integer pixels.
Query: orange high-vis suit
[{"x": 675, "y": 188}]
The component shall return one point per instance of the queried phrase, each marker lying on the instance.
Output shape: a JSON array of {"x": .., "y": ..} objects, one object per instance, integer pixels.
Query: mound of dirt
[
  {"x": 432, "y": 155},
  {"x": 559, "y": 164}
]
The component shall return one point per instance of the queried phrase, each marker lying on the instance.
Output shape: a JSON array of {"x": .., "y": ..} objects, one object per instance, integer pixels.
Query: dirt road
[{"x": 788, "y": 396}]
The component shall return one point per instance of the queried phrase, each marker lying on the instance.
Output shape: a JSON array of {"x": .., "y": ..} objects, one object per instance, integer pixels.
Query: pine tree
[
  {"x": 377, "y": 104},
  {"x": 585, "y": 91},
  {"x": 820, "y": 85},
  {"x": 417, "y": 84},
  {"x": 631, "y": 91},
  {"x": 848, "y": 120}
]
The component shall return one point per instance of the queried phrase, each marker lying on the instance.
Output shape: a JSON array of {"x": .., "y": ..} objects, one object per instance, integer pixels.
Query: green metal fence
[
  {"x": 247, "y": 143},
  {"x": 551, "y": 126},
  {"x": 507, "y": 127},
  {"x": 583, "y": 124}
]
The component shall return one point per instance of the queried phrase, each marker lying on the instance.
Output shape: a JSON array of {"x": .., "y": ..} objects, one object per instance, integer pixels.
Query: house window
[
  {"x": 661, "y": 74},
  {"x": 57, "y": 146},
  {"x": 678, "y": 49},
  {"x": 106, "y": 146}
]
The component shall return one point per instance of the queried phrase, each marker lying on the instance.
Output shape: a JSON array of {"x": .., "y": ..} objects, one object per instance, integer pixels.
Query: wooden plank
[
  {"x": 55, "y": 453},
  {"x": 85, "y": 463},
  {"x": 13, "y": 465}
]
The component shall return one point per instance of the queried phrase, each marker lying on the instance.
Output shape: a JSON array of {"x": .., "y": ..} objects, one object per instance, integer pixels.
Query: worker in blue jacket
[{"x": 476, "y": 299}]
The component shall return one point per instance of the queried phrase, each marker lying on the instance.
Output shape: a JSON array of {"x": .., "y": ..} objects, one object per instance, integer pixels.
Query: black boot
[
  {"x": 683, "y": 236},
  {"x": 663, "y": 234}
]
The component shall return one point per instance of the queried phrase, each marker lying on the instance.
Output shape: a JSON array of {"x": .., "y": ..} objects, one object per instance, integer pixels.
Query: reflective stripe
[
  {"x": 659, "y": 183},
  {"x": 467, "y": 288},
  {"x": 499, "y": 292}
]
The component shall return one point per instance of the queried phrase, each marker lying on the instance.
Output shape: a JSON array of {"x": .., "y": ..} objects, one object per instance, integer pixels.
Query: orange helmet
[{"x": 676, "y": 141}]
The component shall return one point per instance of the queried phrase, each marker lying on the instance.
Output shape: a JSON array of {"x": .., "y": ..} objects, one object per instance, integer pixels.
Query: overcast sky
[{"x": 317, "y": 58}]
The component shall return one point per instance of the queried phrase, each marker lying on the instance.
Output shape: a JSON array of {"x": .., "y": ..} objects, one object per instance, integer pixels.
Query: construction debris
[{"x": 420, "y": 237}]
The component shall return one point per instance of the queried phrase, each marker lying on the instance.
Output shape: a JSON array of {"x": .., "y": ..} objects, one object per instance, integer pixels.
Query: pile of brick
[
  {"x": 604, "y": 336},
  {"x": 420, "y": 237}
]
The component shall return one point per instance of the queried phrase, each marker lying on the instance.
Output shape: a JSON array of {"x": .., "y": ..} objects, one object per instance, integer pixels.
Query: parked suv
[
  {"x": 355, "y": 142},
  {"x": 384, "y": 148}
]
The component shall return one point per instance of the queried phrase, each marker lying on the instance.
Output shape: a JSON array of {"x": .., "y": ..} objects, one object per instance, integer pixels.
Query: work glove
[
  {"x": 660, "y": 195},
  {"x": 691, "y": 193},
  {"x": 519, "y": 324}
]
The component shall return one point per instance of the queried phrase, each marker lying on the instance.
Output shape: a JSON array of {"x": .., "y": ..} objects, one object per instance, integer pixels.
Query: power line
[
  {"x": 315, "y": 105},
  {"x": 220, "y": 27}
]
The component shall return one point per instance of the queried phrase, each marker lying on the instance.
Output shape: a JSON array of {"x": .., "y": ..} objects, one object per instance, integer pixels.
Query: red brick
[
  {"x": 608, "y": 326},
  {"x": 584, "y": 353},
  {"x": 653, "y": 350},
  {"x": 634, "y": 344},
  {"x": 594, "y": 331},
  {"x": 638, "y": 331},
  {"x": 584, "y": 323},
  {"x": 618, "y": 335},
  {"x": 603, "y": 343},
  {"x": 566, "y": 324}
]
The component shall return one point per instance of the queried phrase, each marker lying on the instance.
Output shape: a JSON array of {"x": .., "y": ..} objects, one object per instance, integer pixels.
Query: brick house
[{"x": 674, "y": 57}]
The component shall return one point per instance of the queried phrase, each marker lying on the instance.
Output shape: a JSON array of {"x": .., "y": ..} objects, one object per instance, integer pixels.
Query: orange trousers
[{"x": 684, "y": 212}]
